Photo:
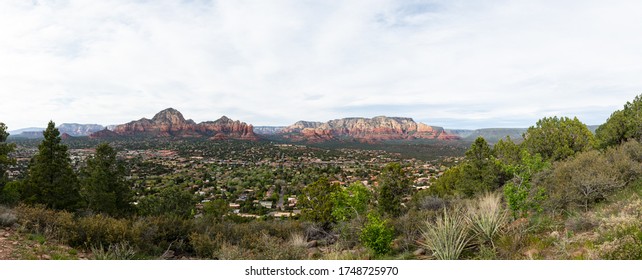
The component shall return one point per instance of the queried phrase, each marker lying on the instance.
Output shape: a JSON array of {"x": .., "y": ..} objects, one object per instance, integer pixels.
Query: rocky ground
[{"x": 7, "y": 246}]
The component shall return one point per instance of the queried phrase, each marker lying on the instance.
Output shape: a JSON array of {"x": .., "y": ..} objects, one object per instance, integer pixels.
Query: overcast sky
[{"x": 458, "y": 64}]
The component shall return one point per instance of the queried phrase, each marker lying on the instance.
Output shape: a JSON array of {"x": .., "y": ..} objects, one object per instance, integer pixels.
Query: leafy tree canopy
[
  {"x": 622, "y": 125},
  {"x": 558, "y": 138},
  {"x": 316, "y": 202}
]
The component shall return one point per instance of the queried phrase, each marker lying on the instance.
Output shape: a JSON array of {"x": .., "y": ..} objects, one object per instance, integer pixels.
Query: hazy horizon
[{"x": 455, "y": 64}]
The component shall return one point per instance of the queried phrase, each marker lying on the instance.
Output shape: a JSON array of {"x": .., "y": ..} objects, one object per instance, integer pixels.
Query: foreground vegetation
[{"x": 561, "y": 193}]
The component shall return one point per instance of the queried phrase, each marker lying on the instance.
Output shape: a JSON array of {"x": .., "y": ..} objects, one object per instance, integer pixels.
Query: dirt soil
[{"x": 7, "y": 246}]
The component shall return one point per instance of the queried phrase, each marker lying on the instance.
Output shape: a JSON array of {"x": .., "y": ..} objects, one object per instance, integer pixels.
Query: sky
[{"x": 457, "y": 64}]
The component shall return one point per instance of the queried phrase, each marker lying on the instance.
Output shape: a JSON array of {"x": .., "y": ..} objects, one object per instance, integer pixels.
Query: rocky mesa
[
  {"x": 171, "y": 123},
  {"x": 379, "y": 128}
]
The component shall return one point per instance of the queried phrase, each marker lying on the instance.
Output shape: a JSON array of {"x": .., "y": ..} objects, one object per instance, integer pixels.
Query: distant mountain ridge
[
  {"x": 71, "y": 129},
  {"x": 379, "y": 128},
  {"x": 493, "y": 135},
  {"x": 171, "y": 123},
  {"x": 74, "y": 129},
  {"x": 268, "y": 130}
]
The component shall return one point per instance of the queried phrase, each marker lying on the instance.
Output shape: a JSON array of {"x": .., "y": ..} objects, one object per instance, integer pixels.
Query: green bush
[
  {"x": 377, "y": 235},
  {"x": 10, "y": 194}
]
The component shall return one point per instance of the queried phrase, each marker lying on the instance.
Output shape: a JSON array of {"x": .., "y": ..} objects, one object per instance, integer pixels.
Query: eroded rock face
[
  {"x": 170, "y": 122},
  {"x": 365, "y": 129}
]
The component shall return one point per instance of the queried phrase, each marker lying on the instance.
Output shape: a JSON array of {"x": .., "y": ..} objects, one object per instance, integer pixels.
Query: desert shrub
[
  {"x": 423, "y": 200},
  {"x": 626, "y": 159},
  {"x": 408, "y": 228},
  {"x": 486, "y": 217},
  {"x": 229, "y": 252},
  {"x": 624, "y": 243},
  {"x": 7, "y": 217},
  {"x": 262, "y": 246},
  {"x": 204, "y": 244},
  {"x": 447, "y": 237},
  {"x": 580, "y": 181},
  {"x": 580, "y": 222},
  {"x": 348, "y": 232},
  {"x": 53, "y": 224},
  {"x": 155, "y": 235},
  {"x": 377, "y": 235},
  {"x": 101, "y": 231}
]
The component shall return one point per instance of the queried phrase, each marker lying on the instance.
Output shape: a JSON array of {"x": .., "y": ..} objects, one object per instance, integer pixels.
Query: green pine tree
[
  {"x": 393, "y": 186},
  {"x": 316, "y": 202},
  {"x": 51, "y": 179},
  {"x": 5, "y": 162},
  {"x": 103, "y": 184}
]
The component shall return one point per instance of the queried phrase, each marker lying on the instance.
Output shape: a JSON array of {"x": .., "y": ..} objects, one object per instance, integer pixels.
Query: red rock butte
[{"x": 171, "y": 123}]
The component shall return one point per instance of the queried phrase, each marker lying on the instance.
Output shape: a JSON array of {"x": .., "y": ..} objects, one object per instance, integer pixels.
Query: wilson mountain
[{"x": 379, "y": 128}]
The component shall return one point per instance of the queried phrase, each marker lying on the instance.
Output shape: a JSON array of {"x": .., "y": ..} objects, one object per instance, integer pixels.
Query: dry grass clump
[
  {"x": 487, "y": 217},
  {"x": 298, "y": 240},
  {"x": 117, "y": 251}
]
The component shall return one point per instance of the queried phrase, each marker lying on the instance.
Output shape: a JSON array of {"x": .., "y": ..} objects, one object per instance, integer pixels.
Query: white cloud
[{"x": 451, "y": 63}]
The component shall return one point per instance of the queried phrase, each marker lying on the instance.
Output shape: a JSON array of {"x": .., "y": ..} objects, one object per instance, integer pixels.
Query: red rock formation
[
  {"x": 105, "y": 133},
  {"x": 364, "y": 129},
  {"x": 170, "y": 123}
]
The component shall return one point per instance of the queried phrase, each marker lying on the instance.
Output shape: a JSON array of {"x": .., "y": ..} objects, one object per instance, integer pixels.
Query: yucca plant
[
  {"x": 447, "y": 237},
  {"x": 487, "y": 217}
]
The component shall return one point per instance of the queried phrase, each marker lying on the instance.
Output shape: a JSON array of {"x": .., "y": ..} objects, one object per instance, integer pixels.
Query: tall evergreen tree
[
  {"x": 51, "y": 179},
  {"x": 5, "y": 161},
  {"x": 393, "y": 186},
  {"x": 103, "y": 184}
]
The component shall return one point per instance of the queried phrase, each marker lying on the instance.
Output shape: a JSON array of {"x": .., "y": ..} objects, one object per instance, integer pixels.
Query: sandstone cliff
[{"x": 364, "y": 129}]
